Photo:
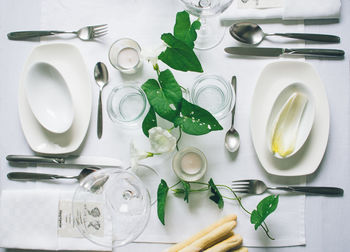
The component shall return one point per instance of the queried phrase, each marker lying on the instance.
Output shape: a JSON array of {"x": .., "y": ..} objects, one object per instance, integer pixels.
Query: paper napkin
[
  {"x": 283, "y": 9},
  {"x": 31, "y": 219}
]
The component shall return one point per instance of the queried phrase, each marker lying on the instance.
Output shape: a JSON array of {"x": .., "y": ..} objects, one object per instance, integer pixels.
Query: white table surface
[{"x": 326, "y": 219}]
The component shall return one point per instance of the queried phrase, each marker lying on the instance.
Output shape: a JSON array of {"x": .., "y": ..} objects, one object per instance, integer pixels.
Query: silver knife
[
  {"x": 275, "y": 52},
  {"x": 64, "y": 161}
]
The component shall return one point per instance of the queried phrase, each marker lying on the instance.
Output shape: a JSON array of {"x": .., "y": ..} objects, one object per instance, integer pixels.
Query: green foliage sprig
[
  {"x": 257, "y": 217},
  {"x": 164, "y": 94}
]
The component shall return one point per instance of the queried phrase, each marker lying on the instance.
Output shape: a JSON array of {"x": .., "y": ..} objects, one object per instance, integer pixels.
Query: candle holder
[
  {"x": 124, "y": 55},
  {"x": 190, "y": 164}
]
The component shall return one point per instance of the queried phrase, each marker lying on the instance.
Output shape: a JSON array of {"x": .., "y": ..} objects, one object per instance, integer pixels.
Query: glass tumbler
[
  {"x": 214, "y": 94},
  {"x": 126, "y": 104}
]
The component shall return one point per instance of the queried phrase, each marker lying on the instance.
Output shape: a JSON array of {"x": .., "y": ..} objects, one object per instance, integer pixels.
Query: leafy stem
[
  {"x": 236, "y": 197},
  {"x": 257, "y": 217},
  {"x": 178, "y": 140}
]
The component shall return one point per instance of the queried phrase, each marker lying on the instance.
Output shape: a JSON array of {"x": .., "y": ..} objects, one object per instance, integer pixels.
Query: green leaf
[
  {"x": 184, "y": 30},
  {"x": 161, "y": 200},
  {"x": 165, "y": 97},
  {"x": 264, "y": 209},
  {"x": 195, "y": 120},
  {"x": 179, "y": 55},
  {"x": 187, "y": 189},
  {"x": 149, "y": 122},
  {"x": 216, "y": 197}
]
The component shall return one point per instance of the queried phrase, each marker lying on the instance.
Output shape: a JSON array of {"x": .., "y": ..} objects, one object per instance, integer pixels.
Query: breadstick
[
  {"x": 210, "y": 238},
  {"x": 230, "y": 243},
  {"x": 241, "y": 249},
  {"x": 181, "y": 245}
]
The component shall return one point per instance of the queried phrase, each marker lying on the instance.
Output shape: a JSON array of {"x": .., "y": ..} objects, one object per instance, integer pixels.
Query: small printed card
[
  {"x": 259, "y": 4},
  {"x": 88, "y": 214}
]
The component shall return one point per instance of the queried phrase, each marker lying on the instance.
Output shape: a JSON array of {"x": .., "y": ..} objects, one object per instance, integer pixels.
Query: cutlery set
[{"x": 252, "y": 34}]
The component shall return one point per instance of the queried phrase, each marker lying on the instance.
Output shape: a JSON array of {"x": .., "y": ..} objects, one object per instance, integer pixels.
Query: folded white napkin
[
  {"x": 283, "y": 9},
  {"x": 29, "y": 220}
]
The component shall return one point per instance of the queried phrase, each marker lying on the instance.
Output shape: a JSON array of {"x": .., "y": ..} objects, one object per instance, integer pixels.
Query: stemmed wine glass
[
  {"x": 111, "y": 207},
  {"x": 211, "y": 32}
]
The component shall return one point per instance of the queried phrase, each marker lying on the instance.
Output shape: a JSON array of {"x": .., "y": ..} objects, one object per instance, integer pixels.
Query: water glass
[
  {"x": 126, "y": 104},
  {"x": 214, "y": 94}
]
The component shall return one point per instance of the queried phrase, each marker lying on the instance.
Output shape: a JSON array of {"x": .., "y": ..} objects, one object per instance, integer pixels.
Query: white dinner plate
[
  {"x": 273, "y": 79},
  {"x": 69, "y": 62}
]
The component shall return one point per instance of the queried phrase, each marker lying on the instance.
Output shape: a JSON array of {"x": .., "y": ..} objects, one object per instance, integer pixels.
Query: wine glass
[
  {"x": 211, "y": 32},
  {"x": 111, "y": 207}
]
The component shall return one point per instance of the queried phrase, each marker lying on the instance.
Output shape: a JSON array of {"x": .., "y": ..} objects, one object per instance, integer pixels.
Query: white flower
[
  {"x": 151, "y": 55},
  {"x": 161, "y": 140},
  {"x": 136, "y": 155}
]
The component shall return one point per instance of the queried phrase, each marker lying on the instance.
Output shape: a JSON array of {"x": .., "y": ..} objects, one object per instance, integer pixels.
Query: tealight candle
[
  {"x": 128, "y": 58},
  {"x": 124, "y": 55},
  {"x": 189, "y": 164}
]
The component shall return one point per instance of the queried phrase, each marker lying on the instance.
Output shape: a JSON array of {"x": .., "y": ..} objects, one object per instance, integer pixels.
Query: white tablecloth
[{"x": 335, "y": 74}]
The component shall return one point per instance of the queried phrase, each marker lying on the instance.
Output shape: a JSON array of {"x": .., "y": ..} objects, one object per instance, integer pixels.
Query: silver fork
[
  {"x": 85, "y": 33},
  {"x": 253, "y": 186}
]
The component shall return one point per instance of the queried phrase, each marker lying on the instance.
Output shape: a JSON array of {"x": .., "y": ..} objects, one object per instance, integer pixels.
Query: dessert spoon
[
  {"x": 232, "y": 136},
  {"x": 101, "y": 77}
]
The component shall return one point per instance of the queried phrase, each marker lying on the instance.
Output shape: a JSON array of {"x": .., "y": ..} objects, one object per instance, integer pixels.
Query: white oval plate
[
  {"x": 49, "y": 98},
  {"x": 69, "y": 62},
  {"x": 274, "y": 78}
]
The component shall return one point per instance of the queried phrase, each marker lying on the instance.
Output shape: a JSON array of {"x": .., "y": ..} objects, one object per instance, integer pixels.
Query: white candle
[
  {"x": 191, "y": 163},
  {"x": 128, "y": 58}
]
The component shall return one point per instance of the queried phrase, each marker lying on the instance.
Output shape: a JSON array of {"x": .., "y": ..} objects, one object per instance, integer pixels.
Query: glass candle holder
[
  {"x": 124, "y": 55},
  {"x": 214, "y": 94},
  {"x": 126, "y": 104},
  {"x": 190, "y": 164}
]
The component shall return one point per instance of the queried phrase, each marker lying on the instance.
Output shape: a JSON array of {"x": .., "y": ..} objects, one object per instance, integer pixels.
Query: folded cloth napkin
[
  {"x": 283, "y": 9},
  {"x": 30, "y": 220}
]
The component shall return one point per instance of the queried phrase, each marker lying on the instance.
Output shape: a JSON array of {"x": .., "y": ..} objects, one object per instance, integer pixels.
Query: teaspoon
[
  {"x": 232, "y": 136},
  {"x": 101, "y": 77},
  {"x": 251, "y": 33}
]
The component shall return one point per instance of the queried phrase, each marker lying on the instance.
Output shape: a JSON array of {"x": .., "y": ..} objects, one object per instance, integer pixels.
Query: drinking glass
[
  {"x": 126, "y": 104},
  {"x": 214, "y": 94},
  {"x": 111, "y": 207},
  {"x": 211, "y": 32}
]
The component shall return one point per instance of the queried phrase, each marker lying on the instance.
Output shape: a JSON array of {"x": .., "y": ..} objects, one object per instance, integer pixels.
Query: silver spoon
[
  {"x": 101, "y": 77},
  {"x": 232, "y": 136},
  {"x": 21, "y": 176},
  {"x": 251, "y": 33}
]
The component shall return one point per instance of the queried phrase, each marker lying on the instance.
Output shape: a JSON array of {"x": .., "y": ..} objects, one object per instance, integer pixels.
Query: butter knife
[
  {"x": 64, "y": 161},
  {"x": 275, "y": 52}
]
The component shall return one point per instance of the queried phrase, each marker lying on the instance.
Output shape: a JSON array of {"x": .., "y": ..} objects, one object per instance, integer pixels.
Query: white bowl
[
  {"x": 49, "y": 98},
  {"x": 306, "y": 118}
]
